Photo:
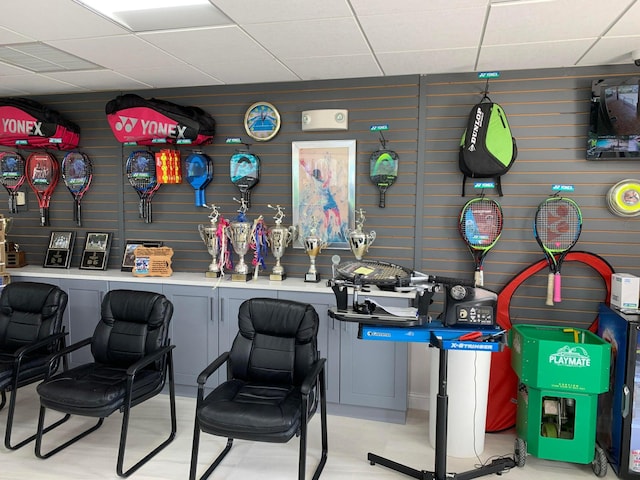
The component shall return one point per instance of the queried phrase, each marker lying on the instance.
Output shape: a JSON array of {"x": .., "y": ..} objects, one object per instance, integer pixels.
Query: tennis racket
[
  {"x": 384, "y": 275},
  {"x": 141, "y": 172},
  {"x": 77, "y": 173},
  {"x": 480, "y": 226},
  {"x": 199, "y": 168},
  {"x": 383, "y": 171},
  {"x": 12, "y": 176},
  {"x": 42, "y": 174},
  {"x": 557, "y": 227},
  {"x": 245, "y": 173}
]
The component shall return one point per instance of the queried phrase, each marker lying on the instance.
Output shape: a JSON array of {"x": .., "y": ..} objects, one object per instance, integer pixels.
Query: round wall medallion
[{"x": 262, "y": 121}]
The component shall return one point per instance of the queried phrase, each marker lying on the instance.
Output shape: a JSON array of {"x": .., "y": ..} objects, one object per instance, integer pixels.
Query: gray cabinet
[{"x": 193, "y": 332}]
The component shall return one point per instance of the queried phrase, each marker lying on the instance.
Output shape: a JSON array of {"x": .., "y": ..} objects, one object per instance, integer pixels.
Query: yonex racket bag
[
  {"x": 25, "y": 122},
  {"x": 140, "y": 121}
]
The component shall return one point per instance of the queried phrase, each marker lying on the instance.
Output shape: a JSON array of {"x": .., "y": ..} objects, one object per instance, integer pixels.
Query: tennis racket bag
[
  {"x": 487, "y": 148},
  {"x": 25, "y": 122},
  {"x": 138, "y": 121}
]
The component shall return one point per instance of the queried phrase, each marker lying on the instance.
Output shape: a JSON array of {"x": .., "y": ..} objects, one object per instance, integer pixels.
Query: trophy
[
  {"x": 279, "y": 238},
  {"x": 239, "y": 232},
  {"x": 313, "y": 244},
  {"x": 209, "y": 235},
  {"x": 359, "y": 241}
]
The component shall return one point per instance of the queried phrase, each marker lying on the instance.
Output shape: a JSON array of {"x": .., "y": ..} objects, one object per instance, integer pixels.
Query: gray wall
[{"x": 548, "y": 111}]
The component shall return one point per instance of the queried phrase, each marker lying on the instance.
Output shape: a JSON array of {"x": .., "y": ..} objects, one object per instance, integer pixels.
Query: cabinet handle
[
  {"x": 626, "y": 393},
  {"x": 221, "y": 305}
]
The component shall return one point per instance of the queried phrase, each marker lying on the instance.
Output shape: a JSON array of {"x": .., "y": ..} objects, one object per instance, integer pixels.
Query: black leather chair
[
  {"x": 275, "y": 381},
  {"x": 132, "y": 360},
  {"x": 30, "y": 330}
]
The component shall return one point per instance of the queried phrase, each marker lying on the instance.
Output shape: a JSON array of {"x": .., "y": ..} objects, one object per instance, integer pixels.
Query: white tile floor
[{"x": 350, "y": 440}]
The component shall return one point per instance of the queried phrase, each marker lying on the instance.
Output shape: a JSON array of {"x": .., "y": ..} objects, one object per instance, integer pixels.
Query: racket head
[
  {"x": 42, "y": 173},
  {"x": 77, "y": 172},
  {"x": 141, "y": 171},
  {"x": 199, "y": 170},
  {"x": 383, "y": 168},
  {"x": 557, "y": 225},
  {"x": 480, "y": 223},
  {"x": 244, "y": 170},
  {"x": 12, "y": 170},
  {"x": 384, "y": 275}
]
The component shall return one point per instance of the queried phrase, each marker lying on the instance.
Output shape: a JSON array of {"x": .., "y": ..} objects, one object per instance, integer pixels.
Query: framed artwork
[
  {"x": 60, "y": 250},
  {"x": 323, "y": 180},
  {"x": 96, "y": 251},
  {"x": 262, "y": 121},
  {"x": 128, "y": 256}
]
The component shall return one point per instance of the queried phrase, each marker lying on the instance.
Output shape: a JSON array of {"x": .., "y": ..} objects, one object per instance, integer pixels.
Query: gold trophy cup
[
  {"x": 313, "y": 245},
  {"x": 279, "y": 238},
  {"x": 239, "y": 233},
  {"x": 359, "y": 241},
  {"x": 208, "y": 234}
]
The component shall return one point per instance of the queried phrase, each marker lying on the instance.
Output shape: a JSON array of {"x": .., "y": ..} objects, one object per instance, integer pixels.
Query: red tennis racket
[
  {"x": 12, "y": 176},
  {"x": 77, "y": 173},
  {"x": 42, "y": 173},
  {"x": 480, "y": 225},
  {"x": 557, "y": 227}
]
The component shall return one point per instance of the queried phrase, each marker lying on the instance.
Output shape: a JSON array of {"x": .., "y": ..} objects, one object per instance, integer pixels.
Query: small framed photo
[
  {"x": 128, "y": 256},
  {"x": 60, "y": 250},
  {"x": 96, "y": 251}
]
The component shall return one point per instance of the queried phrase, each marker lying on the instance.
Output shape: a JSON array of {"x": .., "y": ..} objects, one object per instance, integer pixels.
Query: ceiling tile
[
  {"x": 431, "y": 61},
  {"x": 384, "y": 7},
  {"x": 98, "y": 80},
  {"x": 611, "y": 51},
  {"x": 550, "y": 21},
  {"x": 311, "y": 38},
  {"x": 34, "y": 84},
  {"x": 532, "y": 55},
  {"x": 269, "y": 11},
  {"x": 185, "y": 76},
  {"x": 406, "y": 32},
  {"x": 629, "y": 24},
  {"x": 266, "y": 69},
  {"x": 348, "y": 66},
  {"x": 107, "y": 51},
  {"x": 9, "y": 36},
  {"x": 50, "y": 20}
]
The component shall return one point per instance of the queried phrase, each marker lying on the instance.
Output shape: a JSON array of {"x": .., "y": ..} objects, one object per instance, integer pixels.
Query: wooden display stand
[{"x": 152, "y": 262}]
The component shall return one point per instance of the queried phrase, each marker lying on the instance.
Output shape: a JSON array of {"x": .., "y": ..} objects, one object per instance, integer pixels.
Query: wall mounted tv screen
[{"x": 614, "y": 130}]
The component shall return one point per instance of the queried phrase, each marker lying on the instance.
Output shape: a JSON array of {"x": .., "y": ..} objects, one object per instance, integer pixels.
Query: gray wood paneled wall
[{"x": 549, "y": 114}]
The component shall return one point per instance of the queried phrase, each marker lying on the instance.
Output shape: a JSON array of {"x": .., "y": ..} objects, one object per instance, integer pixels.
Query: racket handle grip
[
  {"x": 479, "y": 278},
  {"x": 382, "y": 200},
  {"x": 557, "y": 297},
  {"x": 550, "y": 282}
]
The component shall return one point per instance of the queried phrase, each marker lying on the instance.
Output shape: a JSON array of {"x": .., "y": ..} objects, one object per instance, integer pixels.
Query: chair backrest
[
  {"x": 276, "y": 341},
  {"x": 29, "y": 312},
  {"x": 133, "y": 324}
]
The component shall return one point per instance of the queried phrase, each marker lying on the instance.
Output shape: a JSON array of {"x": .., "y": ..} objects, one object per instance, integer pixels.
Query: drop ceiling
[{"x": 259, "y": 41}]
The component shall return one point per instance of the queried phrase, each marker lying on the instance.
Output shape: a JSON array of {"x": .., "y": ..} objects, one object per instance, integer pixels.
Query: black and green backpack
[{"x": 487, "y": 148}]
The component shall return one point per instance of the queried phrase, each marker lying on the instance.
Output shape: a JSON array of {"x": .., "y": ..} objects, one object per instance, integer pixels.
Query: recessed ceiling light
[{"x": 150, "y": 15}]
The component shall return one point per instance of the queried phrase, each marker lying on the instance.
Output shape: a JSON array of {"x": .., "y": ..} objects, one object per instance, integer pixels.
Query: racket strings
[
  {"x": 558, "y": 226},
  {"x": 481, "y": 223}
]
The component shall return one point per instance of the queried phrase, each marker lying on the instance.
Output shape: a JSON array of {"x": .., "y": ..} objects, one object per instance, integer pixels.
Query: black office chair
[
  {"x": 30, "y": 330},
  {"x": 132, "y": 359},
  {"x": 275, "y": 381}
]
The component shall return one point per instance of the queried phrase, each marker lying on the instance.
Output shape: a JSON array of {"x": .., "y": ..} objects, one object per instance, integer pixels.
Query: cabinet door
[
  {"x": 83, "y": 313},
  {"x": 373, "y": 373},
  {"x": 328, "y": 337},
  {"x": 229, "y": 301},
  {"x": 193, "y": 332}
]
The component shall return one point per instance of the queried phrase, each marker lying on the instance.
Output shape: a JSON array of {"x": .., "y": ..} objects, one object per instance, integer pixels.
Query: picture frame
[
  {"x": 96, "y": 251},
  {"x": 128, "y": 257},
  {"x": 323, "y": 183},
  {"x": 60, "y": 250}
]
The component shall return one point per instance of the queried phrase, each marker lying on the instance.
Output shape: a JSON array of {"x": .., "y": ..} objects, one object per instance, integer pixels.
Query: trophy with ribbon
[
  {"x": 239, "y": 233},
  {"x": 258, "y": 245},
  {"x": 211, "y": 236},
  {"x": 359, "y": 241},
  {"x": 279, "y": 239},
  {"x": 313, "y": 245}
]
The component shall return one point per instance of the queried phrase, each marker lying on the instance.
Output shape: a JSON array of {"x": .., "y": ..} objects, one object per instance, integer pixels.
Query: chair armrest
[
  {"x": 69, "y": 349},
  {"x": 148, "y": 359},
  {"x": 212, "y": 367},
  {"x": 310, "y": 380},
  {"x": 22, "y": 351}
]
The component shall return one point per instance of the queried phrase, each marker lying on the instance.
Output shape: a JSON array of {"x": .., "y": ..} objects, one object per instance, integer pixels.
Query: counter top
[{"x": 191, "y": 279}]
